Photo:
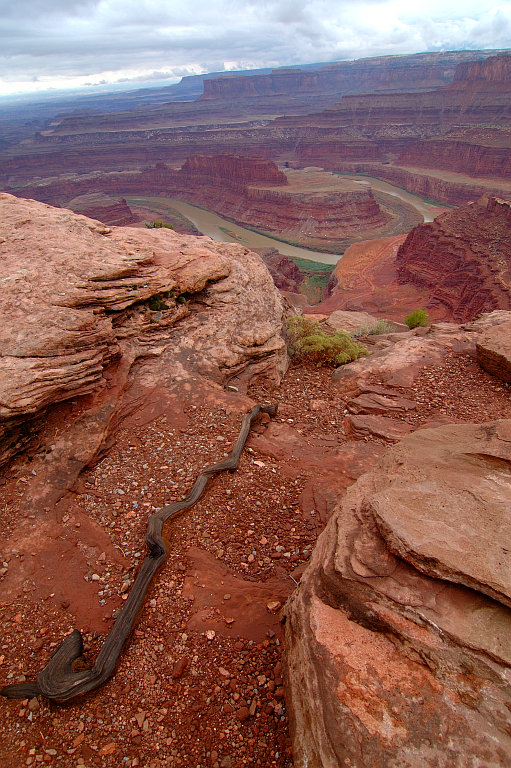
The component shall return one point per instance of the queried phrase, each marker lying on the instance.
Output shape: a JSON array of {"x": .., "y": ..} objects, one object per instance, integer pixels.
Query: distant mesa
[
  {"x": 113, "y": 211},
  {"x": 309, "y": 207}
]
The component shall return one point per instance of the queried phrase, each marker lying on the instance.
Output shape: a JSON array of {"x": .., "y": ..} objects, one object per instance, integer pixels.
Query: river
[{"x": 214, "y": 226}]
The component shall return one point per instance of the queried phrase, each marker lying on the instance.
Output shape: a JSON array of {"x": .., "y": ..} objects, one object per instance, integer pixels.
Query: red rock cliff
[
  {"x": 235, "y": 172},
  {"x": 463, "y": 258},
  {"x": 386, "y": 73}
]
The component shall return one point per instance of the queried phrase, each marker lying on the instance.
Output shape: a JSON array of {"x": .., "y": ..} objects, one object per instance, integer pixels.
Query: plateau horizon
[{"x": 92, "y": 44}]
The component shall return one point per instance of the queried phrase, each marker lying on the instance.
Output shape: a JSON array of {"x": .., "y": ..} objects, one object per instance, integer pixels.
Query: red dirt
[{"x": 179, "y": 698}]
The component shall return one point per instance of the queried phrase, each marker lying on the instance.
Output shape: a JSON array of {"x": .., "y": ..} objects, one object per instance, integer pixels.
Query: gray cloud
[{"x": 51, "y": 43}]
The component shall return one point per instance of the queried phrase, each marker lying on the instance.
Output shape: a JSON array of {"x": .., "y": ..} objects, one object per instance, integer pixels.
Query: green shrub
[
  {"x": 308, "y": 343},
  {"x": 156, "y": 303},
  {"x": 419, "y": 317},
  {"x": 158, "y": 225}
]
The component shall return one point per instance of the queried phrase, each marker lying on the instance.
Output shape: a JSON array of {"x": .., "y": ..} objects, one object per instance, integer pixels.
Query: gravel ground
[{"x": 182, "y": 696}]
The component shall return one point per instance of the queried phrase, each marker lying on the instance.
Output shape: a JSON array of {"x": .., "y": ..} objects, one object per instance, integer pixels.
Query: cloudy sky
[{"x": 48, "y": 44}]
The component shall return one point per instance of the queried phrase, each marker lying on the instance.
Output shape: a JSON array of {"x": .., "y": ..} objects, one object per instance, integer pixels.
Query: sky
[{"x": 87, "y": 44}]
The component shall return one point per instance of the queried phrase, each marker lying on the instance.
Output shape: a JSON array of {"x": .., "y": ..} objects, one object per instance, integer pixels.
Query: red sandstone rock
[
  {"x": 366, "y": 279},
  {"x": 462, "y": 258},
  {"x": 380, "y": 426},
  {"x": 351, "y": 322},
  {"x": 494, "y": 351},
  {"x": 230, "y": 171},
  {"x": 86, "y": 289},
  {"x": 111, "y": 211},
  {"x": 399, "y": 363},
  {"x": 388, "y": 657},
  {"x": 286, "y": 275}
]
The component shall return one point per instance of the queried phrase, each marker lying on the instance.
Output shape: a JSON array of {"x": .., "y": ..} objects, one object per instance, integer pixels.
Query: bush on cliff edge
[
  {"x": 309, "y": 344},
  {"x": 419, "y": 317}
]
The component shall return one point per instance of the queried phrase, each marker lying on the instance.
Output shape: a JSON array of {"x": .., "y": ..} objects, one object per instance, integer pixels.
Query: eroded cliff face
[
  {"x": 78, "y": 297},
  {"x": 316, "y": 209},
  {"x": 110, "y": 210},
  {"x": 462, "y": 258},
  {"x": 411, "y": 73},
  {"x": 231, "y": 171}
]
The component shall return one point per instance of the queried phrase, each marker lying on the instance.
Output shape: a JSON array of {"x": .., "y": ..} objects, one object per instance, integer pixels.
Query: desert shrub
[
  {"x": 382, "y": 326},
  {"x": 156, "y": 304},
  {"x": 309, "y": 343},
  {"x": 158, "y": 225},
  {"x": 419, "y": 317}
]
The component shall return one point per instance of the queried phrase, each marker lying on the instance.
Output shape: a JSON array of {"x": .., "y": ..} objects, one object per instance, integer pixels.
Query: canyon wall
[
  {"x": 478, "y": 95},
  {"x": 110, "y": 210},
  {"x": 473, "y": 158},
  {"x": 250, "y": 191},
  {"x": 451, "y": 191},
  {"x": 386, "y": 73},
  {"x": 231, "y": 171},
  {"x": 462, "y": 258}
]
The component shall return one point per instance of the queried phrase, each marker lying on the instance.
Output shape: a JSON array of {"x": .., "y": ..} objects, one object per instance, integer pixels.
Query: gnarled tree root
[{"x": 57, "y": 681}]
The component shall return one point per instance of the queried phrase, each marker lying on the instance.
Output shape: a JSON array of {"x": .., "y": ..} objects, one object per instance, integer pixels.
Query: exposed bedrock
[
  {"x": 462, "y": 258},
  {"x": 315, "y": 208},
  {"x": 232, "y": 171},
  {"x": 494, "y": 351},
  {"x": 479, "y": 94},
  {"x": 78, "y": 297},
  {"x": 455, "y": 190},
  {"x": 397, "y": 641},
  {"x": 113, "y": 211}
]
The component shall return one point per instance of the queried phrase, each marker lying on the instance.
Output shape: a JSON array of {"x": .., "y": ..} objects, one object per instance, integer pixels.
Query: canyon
[
  {"x": 150, "y": 345},
  {"x": 458, "y": 126},
  {"x": 343, "y": 598},
  {"x": 311, "y": 207},
  {"x": 457, "y": 266}
]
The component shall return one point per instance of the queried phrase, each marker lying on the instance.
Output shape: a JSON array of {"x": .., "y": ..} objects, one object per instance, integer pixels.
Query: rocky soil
[{"x": 201, "y": 681}]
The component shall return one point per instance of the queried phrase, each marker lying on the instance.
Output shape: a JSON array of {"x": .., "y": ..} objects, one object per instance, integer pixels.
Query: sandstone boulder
[
  {"x": 376, "y": 404},
  {"x": 398, "y": 365},
  {"x": 398, "y": 639},
  {"x": 77, "y": 296},
  {"x": 494, "y": 351},
  {"x": 379, "y": 426},
  {"x": 351, "y": 322}
]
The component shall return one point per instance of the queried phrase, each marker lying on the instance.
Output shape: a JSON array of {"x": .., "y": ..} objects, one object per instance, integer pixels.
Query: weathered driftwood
[{"x": 57, "y": 681}]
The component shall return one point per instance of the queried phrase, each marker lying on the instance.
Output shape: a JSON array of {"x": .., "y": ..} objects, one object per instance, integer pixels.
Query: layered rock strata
[
  {"x": 78, "y": 296},
  {"x": 397, "y": 642},
  {"x": 462, "y": 258},
  {"x": 315, "y": 208},
  {"x": 110, "y": 210}
]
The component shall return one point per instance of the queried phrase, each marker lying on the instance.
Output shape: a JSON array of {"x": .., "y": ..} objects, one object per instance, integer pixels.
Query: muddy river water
[{"x": 225, "y": 231}]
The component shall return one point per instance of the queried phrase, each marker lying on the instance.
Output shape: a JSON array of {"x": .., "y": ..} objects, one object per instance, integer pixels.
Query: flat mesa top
[{"x": 311, "y": 180}]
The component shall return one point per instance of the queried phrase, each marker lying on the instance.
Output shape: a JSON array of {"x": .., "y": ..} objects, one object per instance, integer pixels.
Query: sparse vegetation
[
  {"x": 156, "y": 304},
  {"x": 419, "y": 317},
  {"x": 382, "y": 326},
  {"x": 158, "y": 225},
  {"x": 309, "y": 343}
]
